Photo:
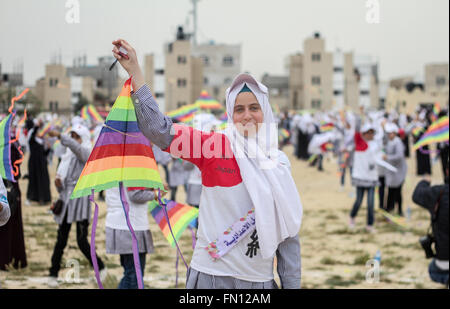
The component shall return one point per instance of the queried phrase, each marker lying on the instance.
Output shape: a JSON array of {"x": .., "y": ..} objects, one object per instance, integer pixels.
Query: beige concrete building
[
  {"x": 323, "y": 80},
  {"x": 58, "y": 92},
  {"x": 149, "y": 69},
  {"x": 221, "y": 64},
  {"x": 406, "y": 96},
  {"x": 183, "y": 73},
  {"x": 436, "y": 77},
  {"x": 317, "y": 74}
]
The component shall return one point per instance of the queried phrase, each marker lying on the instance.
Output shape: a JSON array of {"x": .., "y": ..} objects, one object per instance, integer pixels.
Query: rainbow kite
[
  {"x": 205, "y": 101},
  {"x": 284, "y": 134},
  {"x": 180, "y": 216},
  {"x": 183, "y": 114},
  {"x": 327, "y": 127},
  {"x": 122, "y": 157},
  {"x": 437, "y": 132},
  {"x": 417, "y": 131},
  {"x": 44, "y": 130},
  {"x": 436, "y": 111},
  {"x": 89, "y": 112},
  {"x": 6, "y": 170},
  {"x": 6, "y": 166}
]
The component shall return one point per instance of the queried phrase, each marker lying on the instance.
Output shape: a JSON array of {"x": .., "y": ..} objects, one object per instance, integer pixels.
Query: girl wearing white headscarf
[{"x": 74, "y": 210}]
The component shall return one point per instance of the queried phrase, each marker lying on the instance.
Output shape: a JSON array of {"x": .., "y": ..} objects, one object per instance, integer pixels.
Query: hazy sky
[{"x": 410, "y": 33}]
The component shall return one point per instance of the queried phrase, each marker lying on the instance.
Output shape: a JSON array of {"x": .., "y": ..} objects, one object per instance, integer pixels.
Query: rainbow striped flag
[
  {"x": 180, "y": 216},
  {"x": 205, "y": 101},
  {"x": 6, "y": 169},
  {"x": 121, "y": 154},
  {"x": 437, "y": 132}
]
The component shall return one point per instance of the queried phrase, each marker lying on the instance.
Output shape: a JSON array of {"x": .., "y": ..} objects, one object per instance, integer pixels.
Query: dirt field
[{"x": 333, "y": 256}]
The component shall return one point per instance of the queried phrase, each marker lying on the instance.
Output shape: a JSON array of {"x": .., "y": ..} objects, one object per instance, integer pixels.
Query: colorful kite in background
[
  {"x": 327, "y": 127},
  {"x": 436, "y": 111},
  {"x": 206, "y": 102},
  {"x": 437, "y": 132},
  {"x": 6, "y": 170},
  {"x": 122, "y": 157},
  {"x": 184, "y": 114},
  {"x": 180, "y": 216},
  {"x": 88, "y": 112},
  {"x": 6, "y": 166}
]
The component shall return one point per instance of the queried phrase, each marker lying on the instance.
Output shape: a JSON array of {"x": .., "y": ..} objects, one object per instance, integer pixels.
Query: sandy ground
[{"x": 333, "y": 256}]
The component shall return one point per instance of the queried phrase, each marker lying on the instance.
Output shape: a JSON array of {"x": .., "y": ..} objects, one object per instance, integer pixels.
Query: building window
[
  {"x": 181, "y": 83},
  {"x": 159, "y": 72},
  {"x": 315, "y": 57},
  {"x": 51, "y": 106},
  {"x": 56, "y": 106},
  {"x": 205, "y": 60},
  {"x": 316, "y": 104},
  {"x": 337, "y": 92},
  {"x": 315, "y": 80},
  {"x": 205, "y": 80},
  {"x": 227, "y": 61},
  {"x": 159, "y": 95},
  {"x": 440, "y": 81},
  {"x": 182, "y": 60},
  {"x": 180, "y": 104},
  {"x": 338, "y": 69},
  {"x": 99, "y": 83},
  {"x": 56, "y": 82},
  {"x": 50, "y": 82},
  {"x": 364, "y": 92}
]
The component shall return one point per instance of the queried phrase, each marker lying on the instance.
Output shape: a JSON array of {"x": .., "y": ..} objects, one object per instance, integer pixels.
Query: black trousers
[
  {"x": 395, "y": 196},
  {"x": 381, "y": 190},
  {"x": 61, "y": 242}
]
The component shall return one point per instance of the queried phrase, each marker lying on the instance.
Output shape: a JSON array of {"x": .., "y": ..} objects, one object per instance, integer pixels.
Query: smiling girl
[{"x": 247, "y": 217}]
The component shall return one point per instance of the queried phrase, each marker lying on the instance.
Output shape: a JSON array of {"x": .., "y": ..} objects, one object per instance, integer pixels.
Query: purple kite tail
[
  {"x": 93, "y": 253},
  {"x": 163, "y": 205},
  {"x": 137, "y": 263},
  {"x": 176, "y": 270}
]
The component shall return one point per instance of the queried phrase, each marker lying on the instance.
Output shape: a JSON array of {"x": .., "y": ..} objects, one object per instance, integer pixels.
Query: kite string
[
  {"x": 93, "y": 253},
  {"x": 118, "y": 131},
  {"x": 134, "y": 243}
]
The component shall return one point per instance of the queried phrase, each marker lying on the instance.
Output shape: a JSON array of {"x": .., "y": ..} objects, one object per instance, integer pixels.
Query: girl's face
[
  {"x": 76, "y": 137},
  {"x": 368, "y": 136},
  {"x": 392, "y": 136},
  {"x": 247, "y": 114}
]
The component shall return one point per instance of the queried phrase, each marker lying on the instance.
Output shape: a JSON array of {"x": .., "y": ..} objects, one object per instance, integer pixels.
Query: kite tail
[
  {"x": 17, "y": 162},
  {"x": 163, "y": 205},
  {"x": 176, "y": 270},
  {"x": 137, "y": 263},
  {"x": 93, "y": 253}
]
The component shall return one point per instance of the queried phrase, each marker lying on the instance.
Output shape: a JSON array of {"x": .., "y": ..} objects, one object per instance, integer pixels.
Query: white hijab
[
  {"x": 265, "y": 172},
  {"x": 66, "y": 159}
]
